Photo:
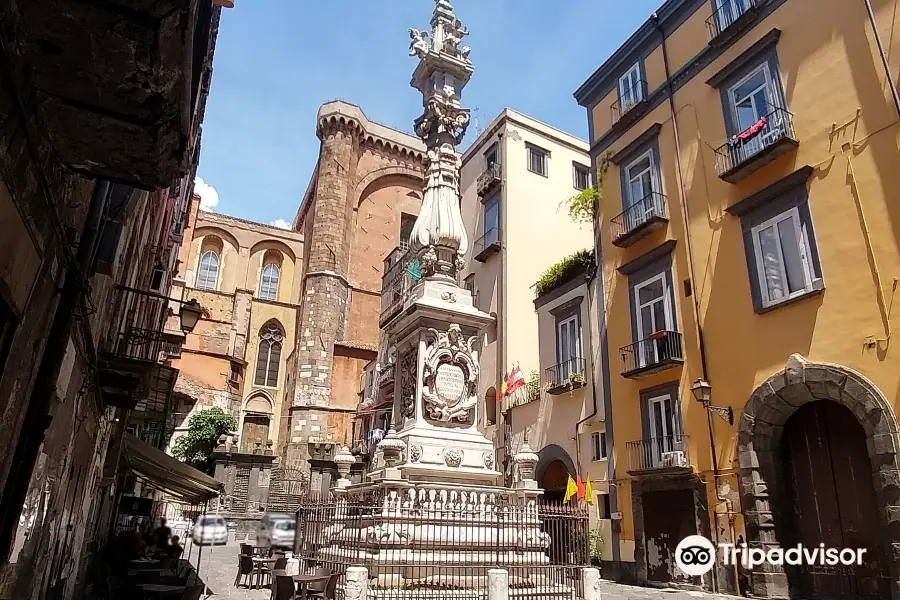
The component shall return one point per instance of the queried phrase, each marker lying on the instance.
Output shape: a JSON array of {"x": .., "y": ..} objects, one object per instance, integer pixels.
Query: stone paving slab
[
  {"x": 218, "y": 566},
  {"x": 611, "y": 590}
]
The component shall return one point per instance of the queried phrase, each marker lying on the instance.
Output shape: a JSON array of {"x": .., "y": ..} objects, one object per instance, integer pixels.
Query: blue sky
[{"x": 278, "y": 60}]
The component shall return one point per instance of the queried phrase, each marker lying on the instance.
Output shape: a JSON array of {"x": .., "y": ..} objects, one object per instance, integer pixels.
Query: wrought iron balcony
[
  {"x": 530, "y": 393},
  {"x": 639, "y": 220},
  {"x": 624, "y": 108},
  {"x": 134, "y": 346},
  {"x": 666, "y": 454},
  {"x": 566, "y": 376},
  {"x": 487, "y": 245},
  {"x": 387, "y": 376},
  {"x": 659, "y": 352},
  {"x": 400, "y": 276},
  {"x": 732, "y": 17},
  {"x": 750, "y": 150},
  {"x": 490, "y": 178}
]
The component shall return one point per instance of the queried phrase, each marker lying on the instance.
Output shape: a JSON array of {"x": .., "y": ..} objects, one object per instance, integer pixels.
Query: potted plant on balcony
[{"x": 576, "y": 380}]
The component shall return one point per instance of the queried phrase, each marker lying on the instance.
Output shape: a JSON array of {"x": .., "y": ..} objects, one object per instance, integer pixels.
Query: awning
[{"x": 169, "y": 474}]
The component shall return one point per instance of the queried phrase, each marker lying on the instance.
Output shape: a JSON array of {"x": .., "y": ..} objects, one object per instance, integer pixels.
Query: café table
[
  {"x": 258, "y": 564},
  {"x": 304, "y": 581}
]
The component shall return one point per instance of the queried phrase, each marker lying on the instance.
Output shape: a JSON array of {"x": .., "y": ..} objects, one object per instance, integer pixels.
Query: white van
[
  {"x": 277, "y": 530},
  {"x": 210, "y": 529}
]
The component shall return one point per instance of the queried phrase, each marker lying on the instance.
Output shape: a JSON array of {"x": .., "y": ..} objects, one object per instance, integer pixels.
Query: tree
[{"x": 204, "y": 429}]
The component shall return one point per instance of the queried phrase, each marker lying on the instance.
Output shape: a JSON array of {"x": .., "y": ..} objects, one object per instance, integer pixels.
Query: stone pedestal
[{"x": 436, "y": 404}]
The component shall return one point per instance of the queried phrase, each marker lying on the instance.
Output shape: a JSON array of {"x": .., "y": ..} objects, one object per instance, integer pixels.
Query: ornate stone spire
[{"x": 439, "y": 236}]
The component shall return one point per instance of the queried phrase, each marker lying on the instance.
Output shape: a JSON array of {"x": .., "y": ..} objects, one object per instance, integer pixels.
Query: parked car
[
  {"x": 210, "y": 529},
  {"x": 277, "y": 530}
]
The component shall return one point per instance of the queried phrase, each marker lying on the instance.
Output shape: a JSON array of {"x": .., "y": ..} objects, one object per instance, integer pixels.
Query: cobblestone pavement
[
  {"x": 614, "y": 591},
  {"x": 218, "y": 566}
]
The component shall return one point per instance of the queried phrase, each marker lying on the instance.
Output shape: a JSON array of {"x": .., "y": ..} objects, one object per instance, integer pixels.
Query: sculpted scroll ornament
[{"x": 450, "y": 376}]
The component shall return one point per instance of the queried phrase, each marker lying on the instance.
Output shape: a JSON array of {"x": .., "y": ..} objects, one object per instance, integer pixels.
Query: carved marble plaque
[{"x": 450, "y": 383}]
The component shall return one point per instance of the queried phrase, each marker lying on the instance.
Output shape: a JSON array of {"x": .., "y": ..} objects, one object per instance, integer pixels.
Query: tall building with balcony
[
  {"x": 748, "y": 249},
  {"x": 516, "y": 179},
  {"x": 102, "y": 115}
]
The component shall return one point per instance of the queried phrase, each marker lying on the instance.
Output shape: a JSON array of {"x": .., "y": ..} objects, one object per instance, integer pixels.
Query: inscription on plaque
[{"x": 450, "y": 383}]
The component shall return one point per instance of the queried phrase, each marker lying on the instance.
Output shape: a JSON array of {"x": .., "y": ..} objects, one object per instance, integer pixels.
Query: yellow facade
[
  {"x": 219, "y": 361},
  {"x": 826, "y": 74}
]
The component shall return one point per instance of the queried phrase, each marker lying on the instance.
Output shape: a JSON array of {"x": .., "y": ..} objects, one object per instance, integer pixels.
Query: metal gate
[{"x": 831, "y": 500}]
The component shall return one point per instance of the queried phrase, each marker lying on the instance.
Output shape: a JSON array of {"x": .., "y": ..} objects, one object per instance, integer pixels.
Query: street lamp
[
  {"x": 189, "y": 315},
  {"x": 702, "y": 391}
]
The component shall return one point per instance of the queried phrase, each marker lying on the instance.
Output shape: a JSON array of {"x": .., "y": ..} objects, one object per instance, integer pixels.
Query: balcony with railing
[
  {"x": 626, "y": 108},
  {"x": 134, "y": 347},
  {"x": 732, "y": 17},
  {"x": 401, "y": 273},
  {"x": 565, "y": 377},
  {"x": 525, "y": 395},
  {"x": 661, "y": 351},
  {"x": 387, "y": 376},
  {"x": 489, "y": 179},
  {"x": 487, "y": 245},
  {"x": 659, "y": 455},
  {"x": 752, "y": 149},
  {"x": 639, "y": 220}
]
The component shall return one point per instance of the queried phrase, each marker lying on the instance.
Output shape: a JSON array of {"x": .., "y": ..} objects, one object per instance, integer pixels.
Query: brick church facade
[{"x": 366, "y": 188}]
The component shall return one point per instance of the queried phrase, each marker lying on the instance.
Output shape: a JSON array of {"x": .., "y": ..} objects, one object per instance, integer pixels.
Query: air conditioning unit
[{"x": 674, "y": 459}]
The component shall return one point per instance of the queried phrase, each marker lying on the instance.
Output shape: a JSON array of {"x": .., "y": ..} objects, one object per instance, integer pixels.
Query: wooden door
[{"x": 831, "y": 501}]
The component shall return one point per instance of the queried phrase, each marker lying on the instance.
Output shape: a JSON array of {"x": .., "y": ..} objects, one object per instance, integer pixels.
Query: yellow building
[
  {"x": 246, "y": 277},
  {"x": 746, "y": 237}
]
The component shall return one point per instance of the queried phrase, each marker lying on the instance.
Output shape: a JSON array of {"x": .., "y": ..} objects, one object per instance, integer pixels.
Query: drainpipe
[
  {"x": 884, "y": 59},
  {"x": 37, "y": 417},
  {"x": 504, "y": 428},
  {"x": 588, "y": 279},
  {"x": 690, "y": 257}
]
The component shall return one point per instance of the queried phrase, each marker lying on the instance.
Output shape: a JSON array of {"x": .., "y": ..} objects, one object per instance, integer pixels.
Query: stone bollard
[
  {"x": 356, "y": 586},
  {"x": 590, "y": 578},
  {"x": 498, "y": 584}
]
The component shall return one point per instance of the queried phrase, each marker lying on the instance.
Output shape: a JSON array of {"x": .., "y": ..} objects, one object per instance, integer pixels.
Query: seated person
[{"x": 175, "y": 550}]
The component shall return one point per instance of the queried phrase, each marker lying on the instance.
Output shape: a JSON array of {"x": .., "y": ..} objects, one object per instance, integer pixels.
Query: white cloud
[
  {"x": 281, "y": 224},
  {"x": 209, "y": 197}
]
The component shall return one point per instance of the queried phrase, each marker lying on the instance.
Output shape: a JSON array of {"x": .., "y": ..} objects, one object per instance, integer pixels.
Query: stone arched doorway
[
  {"x": 552, "y": 472},
  {"x": 830, "y": 499},
  {"x": 765, "y": 436}
]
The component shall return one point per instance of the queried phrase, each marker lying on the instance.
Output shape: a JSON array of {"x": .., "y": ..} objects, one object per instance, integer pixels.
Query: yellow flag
[
  {"x": 571, "y": 489},
  {"x": 588, "y": 491}
]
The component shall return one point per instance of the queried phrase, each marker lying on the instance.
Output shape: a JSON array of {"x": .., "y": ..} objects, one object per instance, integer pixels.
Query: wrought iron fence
[
  {"x": 772, "y": 128},
  {"x": 652, "y": 206},
  {"x": 728, "y": 13},
  {"x": 628, "y": 99},
  {"x": 431, "y": 542},
  {"x": 664, "y": 452},
  {"x": 661, "y": 348}
]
